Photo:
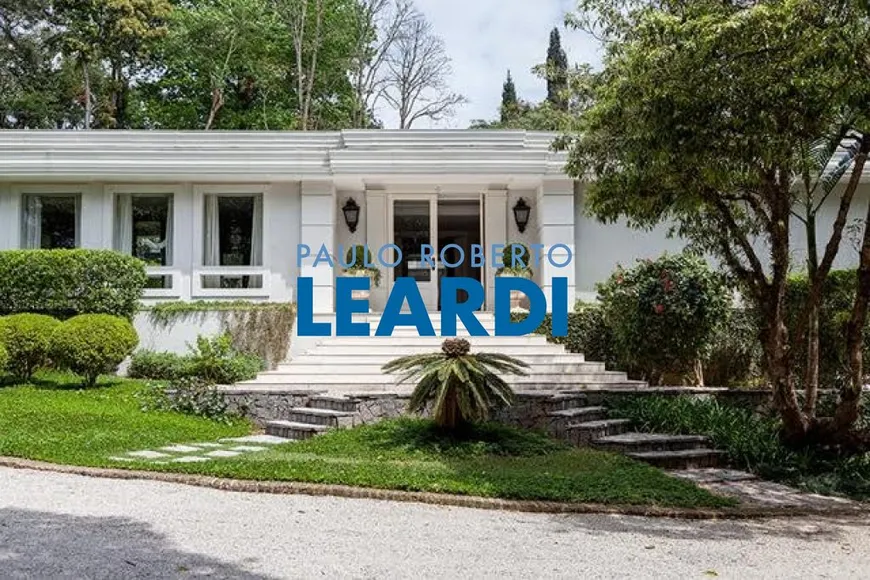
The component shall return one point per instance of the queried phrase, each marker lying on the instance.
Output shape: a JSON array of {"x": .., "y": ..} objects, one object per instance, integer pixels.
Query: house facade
[{"x": 219, "y": 215}]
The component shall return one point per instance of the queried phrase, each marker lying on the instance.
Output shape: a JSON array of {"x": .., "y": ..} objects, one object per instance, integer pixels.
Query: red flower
[
  {"x": 659, "y": 308},
  {"x": 668, "y": 285}
]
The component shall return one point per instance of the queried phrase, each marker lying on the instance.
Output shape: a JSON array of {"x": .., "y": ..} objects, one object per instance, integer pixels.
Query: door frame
[{"x": 434, "y": 198}]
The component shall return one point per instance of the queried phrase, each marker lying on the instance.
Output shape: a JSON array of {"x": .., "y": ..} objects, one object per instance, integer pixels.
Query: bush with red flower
[{"x": 664, "y": 314}]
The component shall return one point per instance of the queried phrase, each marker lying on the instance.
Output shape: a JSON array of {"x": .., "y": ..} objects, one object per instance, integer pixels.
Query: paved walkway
[
  {"x": 63, "y": 526},
  {"x": 199, "y": 452}
]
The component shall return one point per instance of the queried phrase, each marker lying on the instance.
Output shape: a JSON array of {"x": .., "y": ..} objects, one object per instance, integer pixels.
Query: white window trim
[
  {"x": 110, "y": 194},
  {"x": 47, "y": 190},
  {"x": 198, "y": 233}
]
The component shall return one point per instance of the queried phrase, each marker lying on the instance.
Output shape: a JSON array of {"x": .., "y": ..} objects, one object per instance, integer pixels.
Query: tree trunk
[
  {"x": 811, "y": 374},
  {"x": 217, "y": 102},
  {"x": 88, "y": 101}
]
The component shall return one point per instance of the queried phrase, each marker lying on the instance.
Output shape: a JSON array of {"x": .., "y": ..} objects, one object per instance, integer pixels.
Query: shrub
[
  {"x": 522, "y": 267},
  {"x": 735, "y": 356},
  {"x": 191, "y": 396},
  {"x": 167, "y": 366},
  {"x": 93, "y": 344},
  {"x": 588, "y": 333},
  {"x": 64, "y": 283},
  {"x": 217, "y": 362},
  {"x": 4, "y": 358},
  {"x": 359, "y": 256},
  {"x": 664, "y": 313},
  {"x": 27, "y": 340}
]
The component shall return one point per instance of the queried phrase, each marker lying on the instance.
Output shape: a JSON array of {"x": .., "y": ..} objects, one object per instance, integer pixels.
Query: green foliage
[
  {"x": 215, "y": 361},
  {"x": 519, "y": 266},
  {"x": 838, "y": 296},
  {"x": 358, "y": 256},
  {"x": 4, "y": 358},
  {"x": 664, "y": 313},
  {"x": 461, "y": 387},
  {"x": 261, "y": 329},
  {"x": 735, "y": 357},
  {"x": 147, "y": 364},
  {"x": 188, "y": 396},
  {"x": 588, "y": 333},
  {"x": 26, "y": 339},
  {"x": 93, "y": 344},
  {"x": 64, "y": 283}
]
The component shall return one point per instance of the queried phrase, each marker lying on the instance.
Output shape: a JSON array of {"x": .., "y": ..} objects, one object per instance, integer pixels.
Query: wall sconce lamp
[
  {"x": 522, "y": 211},
  {"x": 351, "y": 214}
]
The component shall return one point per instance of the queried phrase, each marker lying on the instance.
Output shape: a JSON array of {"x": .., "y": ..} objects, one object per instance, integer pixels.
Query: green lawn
[{"x": 55, "y": 422}]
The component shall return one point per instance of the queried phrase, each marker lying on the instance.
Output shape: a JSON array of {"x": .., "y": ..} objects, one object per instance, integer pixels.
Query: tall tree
[
  {"x": 556, "y": 71},
  {"x": 509, "y": 103},
  {"x": 418, "y": 73},
  {"x": 701, "y": 118},
  {"x": 377, "y": 24}
]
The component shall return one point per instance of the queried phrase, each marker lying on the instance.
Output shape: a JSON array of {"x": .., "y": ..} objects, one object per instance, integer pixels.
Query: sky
[{"x": 485, "y": 38}]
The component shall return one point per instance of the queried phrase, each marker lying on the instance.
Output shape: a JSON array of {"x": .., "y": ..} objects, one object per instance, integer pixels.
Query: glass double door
[{"x": 425, "y": 220}]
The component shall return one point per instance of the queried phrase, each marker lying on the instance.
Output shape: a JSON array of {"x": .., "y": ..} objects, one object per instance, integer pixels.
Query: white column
[
  {"x": 95, "y": 219},
  {"x": 555, "y": 208},
  {"x": 495, "y": 232},
  {"x": 317, "y": 220},
  {"x": 280, "y": 207},
  {"x": 377, "y": 235},
  {"x": 9, "y": 218},
  {"x": 187, "y": 221}
]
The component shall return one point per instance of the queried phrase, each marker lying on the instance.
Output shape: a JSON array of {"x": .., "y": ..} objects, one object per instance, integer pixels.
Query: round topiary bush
[
  {"x": 93, "y": 344},
  {"x": 664, "y": 314},
  {"x": 27, "y": 340}
]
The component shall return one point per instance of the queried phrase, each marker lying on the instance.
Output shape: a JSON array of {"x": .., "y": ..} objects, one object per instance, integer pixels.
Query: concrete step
[
  {"x": 339, "y": 358},
  {"x": 582, "y": 434},
  {"x": 314, "y": 416},
  {"x": 435, "y": 342},
  {"x": 685, "y": 459},
  {"x": 343, "y": 404},
  {"x": 559, "y": 402},
  {"x": 559, "y": 421},
  {"x": 293, "y": 430},
  {"x": 395, "y": 351},
  {"x": 326, "y": 376},
  {"x": 645, "y": 442},
  {"x": 303, "y": 365}
]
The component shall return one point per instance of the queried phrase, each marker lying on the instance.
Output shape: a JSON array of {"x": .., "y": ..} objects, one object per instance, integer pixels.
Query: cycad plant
[{"x": 463, "y": 387}]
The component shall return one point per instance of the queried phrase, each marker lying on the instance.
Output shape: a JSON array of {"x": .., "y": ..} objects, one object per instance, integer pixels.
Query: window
[
  {"x": 233, "y": 238},
  {"x": 144, "y": 229},
  {"x": 50, "y": 221}
]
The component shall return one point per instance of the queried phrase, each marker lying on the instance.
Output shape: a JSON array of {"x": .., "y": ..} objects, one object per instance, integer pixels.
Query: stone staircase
[
  {"x": 567, "y": 417},
  {"x": 347, "y": 365}
]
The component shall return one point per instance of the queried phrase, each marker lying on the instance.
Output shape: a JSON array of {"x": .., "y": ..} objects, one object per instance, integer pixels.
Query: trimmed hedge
[
  {"x": 4, "y": 358},
  {"x": 147, "y": 364},
  {"x": 93, "y": 344},
  {"x": 26, "y": 339},
  {"x": 65, "y": 283}
]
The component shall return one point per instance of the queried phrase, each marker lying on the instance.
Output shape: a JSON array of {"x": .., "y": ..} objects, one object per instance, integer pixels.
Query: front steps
[{"x": 348, "y": 365}]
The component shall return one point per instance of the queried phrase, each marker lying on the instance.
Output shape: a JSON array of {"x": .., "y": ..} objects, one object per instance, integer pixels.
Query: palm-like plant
[{"x": 463, "y": 387}]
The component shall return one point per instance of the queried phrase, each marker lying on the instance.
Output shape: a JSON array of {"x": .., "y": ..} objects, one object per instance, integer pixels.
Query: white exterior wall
[{"x": 603, "y": 247}]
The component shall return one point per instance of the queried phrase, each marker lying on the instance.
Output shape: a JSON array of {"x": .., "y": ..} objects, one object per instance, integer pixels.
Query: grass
[
  {"x": 489, "y": 461},
  {"x": 53, "y": 420}
]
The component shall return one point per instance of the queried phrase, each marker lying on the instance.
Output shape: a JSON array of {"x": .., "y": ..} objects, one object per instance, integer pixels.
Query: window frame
[{"x": 44, "y": 192}]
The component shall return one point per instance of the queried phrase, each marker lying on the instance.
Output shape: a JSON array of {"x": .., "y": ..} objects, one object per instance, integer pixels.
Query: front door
[{"x": 414, "y": 224}]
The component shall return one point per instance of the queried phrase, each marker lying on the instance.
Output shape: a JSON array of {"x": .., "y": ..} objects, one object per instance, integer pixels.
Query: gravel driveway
[{"x": 65, "y": 526}]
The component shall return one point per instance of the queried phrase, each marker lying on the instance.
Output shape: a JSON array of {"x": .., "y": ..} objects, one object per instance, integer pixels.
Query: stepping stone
[
  {"x": 222, "y": 453},
  {"x": 261, "y": 439},
  {"x": 189, "y": 459},
  {"x": 121, "y": 458},
  {"x": 147, "y": 454},
  {"x": 181, "y": 449},
  {"x": 211, "y": 445},
  {"x": 244, "y": 448}
]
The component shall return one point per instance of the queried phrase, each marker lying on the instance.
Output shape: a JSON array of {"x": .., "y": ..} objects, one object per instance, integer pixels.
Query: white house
[{"x": 218, "y": 215}]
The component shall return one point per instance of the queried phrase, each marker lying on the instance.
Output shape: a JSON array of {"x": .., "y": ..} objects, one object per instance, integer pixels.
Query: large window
[
  {"x": 233, "y": 238},
  {"x": 50, "y": 221},
  {"x": 144, "y": 228}
]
